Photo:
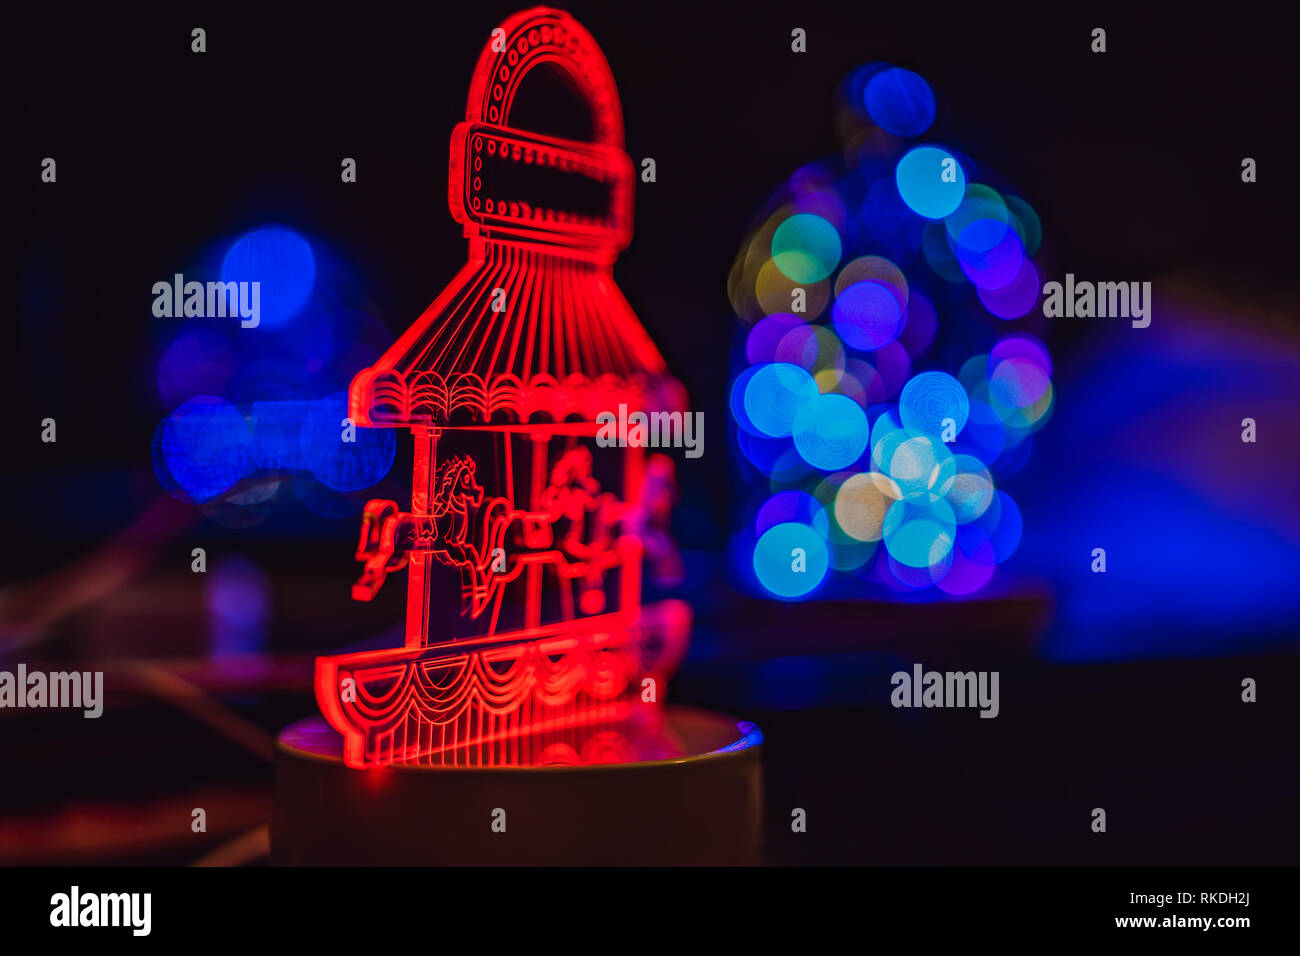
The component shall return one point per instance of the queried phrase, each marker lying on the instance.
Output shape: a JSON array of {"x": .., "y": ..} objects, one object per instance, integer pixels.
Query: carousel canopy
[{"x": 534, "y": 326}]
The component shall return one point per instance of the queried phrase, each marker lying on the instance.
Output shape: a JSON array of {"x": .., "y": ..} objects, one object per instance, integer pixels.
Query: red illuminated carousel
[
  {"x": 530, "y": 682},
  {"x": 500, "y": 382}
]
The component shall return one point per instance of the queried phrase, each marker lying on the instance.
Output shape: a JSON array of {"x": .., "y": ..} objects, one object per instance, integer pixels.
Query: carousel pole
[{"x": 419, "y": 593}]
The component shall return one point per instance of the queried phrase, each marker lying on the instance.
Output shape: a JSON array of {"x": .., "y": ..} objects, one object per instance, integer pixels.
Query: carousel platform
[{"x": 682, "y": 790}]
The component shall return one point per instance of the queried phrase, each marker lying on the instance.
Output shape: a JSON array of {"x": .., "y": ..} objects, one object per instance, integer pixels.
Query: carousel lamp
[{"x": 527, "y": 647}]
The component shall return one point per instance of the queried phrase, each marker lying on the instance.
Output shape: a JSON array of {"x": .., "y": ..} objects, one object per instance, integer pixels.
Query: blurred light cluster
[
  {"x": 884, "y": 394},
  {"x": 259, "y": 412}
]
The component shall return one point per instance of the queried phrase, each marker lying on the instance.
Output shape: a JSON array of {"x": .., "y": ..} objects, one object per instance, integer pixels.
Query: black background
[{"x": 1132, "y": 159}]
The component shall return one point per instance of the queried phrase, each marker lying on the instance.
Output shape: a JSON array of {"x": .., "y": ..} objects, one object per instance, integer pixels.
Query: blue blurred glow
[
  {"x": 789, "y": 467},
  {"x": 277, "y": 434},
  {"x": 885, "y": 222},
  {"x": 1014, "y": 457},
  {"x": 1184, "y": 575},
  {"x": 787, "y": 506},
  {"x": 239, "y": 607},
  {"x": 1201, "y": 534},
  {"x": 920, "y": 324},
  {"x": 1021, "y": 346},
  {"x": 849, "y": 555},
  {"x": 199, "y": 361},
  {"x": 1017, "y": 297},
  {"x": 1017, "y": 383},
  {"x": 206, "y": 446},
  {"x": 937, "y": 249},
  {"x": 854, "y": 86},
  {"x": 336, "y": 461},
  {"x": 1003, "y": 525},
  {"x": 902, "y": 577},
  {"x": 761, "y": 451},
  {"x": 894, "y": 365},
  {"x": 980, "y": 204},
  {"x": 322, "y": 500},
  {"x": 737, "y": 401},
  {"x": 792, "y": 682},
  {"x": 971, "y": 563},
  {"x": 1026, "y": 223},
  {"x": 984, "y": 435}
]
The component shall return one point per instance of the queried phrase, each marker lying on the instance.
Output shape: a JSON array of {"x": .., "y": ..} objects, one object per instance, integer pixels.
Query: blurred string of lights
[
  {"x": 257, "y": 414},
  {"x": 878, "y": 424}
]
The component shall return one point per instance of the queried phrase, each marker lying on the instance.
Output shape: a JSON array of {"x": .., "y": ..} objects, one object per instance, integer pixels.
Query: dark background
[{"x": 1132, "y": 159}]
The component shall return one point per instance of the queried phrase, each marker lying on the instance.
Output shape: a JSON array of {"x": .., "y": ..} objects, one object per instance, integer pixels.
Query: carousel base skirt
[{"x": 687, "y": 791}]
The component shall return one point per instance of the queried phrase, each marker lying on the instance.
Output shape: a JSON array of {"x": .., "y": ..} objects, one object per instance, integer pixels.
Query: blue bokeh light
[
  {"x": 790, "y": 559},
  {"x": 919, "y": 530},
  {"x": 931, "y": 181},
  {"x": 830, "y": 431},
  {"x": 866, "y": 315},
  {"x": 774, "y": 395},
  {"x": 806, "y": 248},
  {"x": 931, "y": 398},
  {"x": 206, "y": 446},
  {"x": 990, "y": 263},
  {"x": 919, "y": 462},
  {"x": 899, "y": 102},
  {"x": 282, "y": 262},
  {"x": 920, "y": 258}
]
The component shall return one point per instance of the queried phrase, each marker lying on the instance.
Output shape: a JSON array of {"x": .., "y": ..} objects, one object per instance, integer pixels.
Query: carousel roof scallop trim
[{"x": 383, "y": 397}]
